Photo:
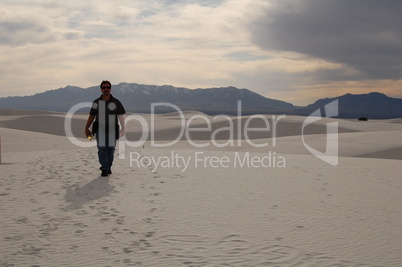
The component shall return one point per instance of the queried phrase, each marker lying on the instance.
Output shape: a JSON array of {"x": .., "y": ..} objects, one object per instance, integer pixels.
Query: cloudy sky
[{"x": 292, "y": 50}]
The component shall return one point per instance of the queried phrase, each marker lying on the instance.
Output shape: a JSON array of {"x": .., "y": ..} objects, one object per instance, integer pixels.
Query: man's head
[{"x": 105, "y": 87}]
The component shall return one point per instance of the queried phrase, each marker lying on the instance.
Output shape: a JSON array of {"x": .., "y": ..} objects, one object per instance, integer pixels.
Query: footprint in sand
[
  {"x": 147, "y": 220},
  {"x": 4, "y": 263},
  {"x": 188, "y": 239},
  {"x": 29, "y": 250},
  {"x": 277, "y": 254}
]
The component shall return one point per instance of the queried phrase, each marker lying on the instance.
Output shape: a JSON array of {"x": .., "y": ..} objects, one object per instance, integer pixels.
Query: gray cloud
[
  {"x": 200, "y": 2},
  {"x": 363, "y": 34},
  {"x": 16, "y": 32},
  {"x": 32, "y": 27}
]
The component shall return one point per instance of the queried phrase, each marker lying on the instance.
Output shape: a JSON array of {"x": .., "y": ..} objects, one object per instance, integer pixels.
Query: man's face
[{"x": 106, "y": 88}]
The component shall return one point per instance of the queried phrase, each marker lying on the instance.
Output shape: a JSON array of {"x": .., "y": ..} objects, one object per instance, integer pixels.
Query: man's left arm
[
  {"x": 121, "y": 111},
  {"x": 122, "y": 130}
]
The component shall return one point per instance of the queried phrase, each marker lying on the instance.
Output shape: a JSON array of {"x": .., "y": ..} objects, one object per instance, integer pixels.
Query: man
[{"x": 105, "y": 111}]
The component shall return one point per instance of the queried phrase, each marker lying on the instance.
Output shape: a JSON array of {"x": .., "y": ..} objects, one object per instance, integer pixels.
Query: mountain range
[{"x": 138, "y": 98}]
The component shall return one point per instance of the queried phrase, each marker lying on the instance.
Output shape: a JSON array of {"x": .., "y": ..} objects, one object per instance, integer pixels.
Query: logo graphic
[
  {"x": 330, "y": 155},
  {"x": 238, "y": 129}
]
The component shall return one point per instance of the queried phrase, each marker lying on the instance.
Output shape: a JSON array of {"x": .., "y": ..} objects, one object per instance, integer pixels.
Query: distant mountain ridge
[
  {"x": 372, "y": 105},
  {"x": 224, "y": 100},
  {"x": 138, "y": 98}
]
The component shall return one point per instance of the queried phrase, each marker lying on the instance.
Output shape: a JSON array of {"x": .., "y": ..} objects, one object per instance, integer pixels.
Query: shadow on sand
[{"x": 76, "y": 196}]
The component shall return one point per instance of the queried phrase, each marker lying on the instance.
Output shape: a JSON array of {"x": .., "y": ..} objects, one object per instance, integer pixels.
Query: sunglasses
[{"x": 106, "y": 87}]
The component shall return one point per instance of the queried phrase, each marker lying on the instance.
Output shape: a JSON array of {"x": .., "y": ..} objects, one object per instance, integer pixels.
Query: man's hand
[
  {"x": 89, "y": 122},
  {"x": 122, "y": 124},
  {"x": 87, "y": 132}
]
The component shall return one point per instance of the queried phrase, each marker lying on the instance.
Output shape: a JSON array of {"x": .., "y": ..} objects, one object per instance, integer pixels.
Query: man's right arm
[{"x": 89, "y": 122}]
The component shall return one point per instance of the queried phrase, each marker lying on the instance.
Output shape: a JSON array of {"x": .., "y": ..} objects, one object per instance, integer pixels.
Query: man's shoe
[
  {"x": 110, "y": 171},
  {"x": 105, "y": 173}
]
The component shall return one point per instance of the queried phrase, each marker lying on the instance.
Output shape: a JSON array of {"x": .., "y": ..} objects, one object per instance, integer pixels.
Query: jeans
[{"x": 105, "y": 153}]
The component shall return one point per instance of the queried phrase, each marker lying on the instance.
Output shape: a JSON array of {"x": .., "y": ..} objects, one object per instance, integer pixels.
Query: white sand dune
[
  {"x": 14, "y": 112},
  {"x": 357, "y": 144},
  {"x": 298, "y": 211},
  {"x": 27, "y": 141},
  {"x": 361, "y": 139}
]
